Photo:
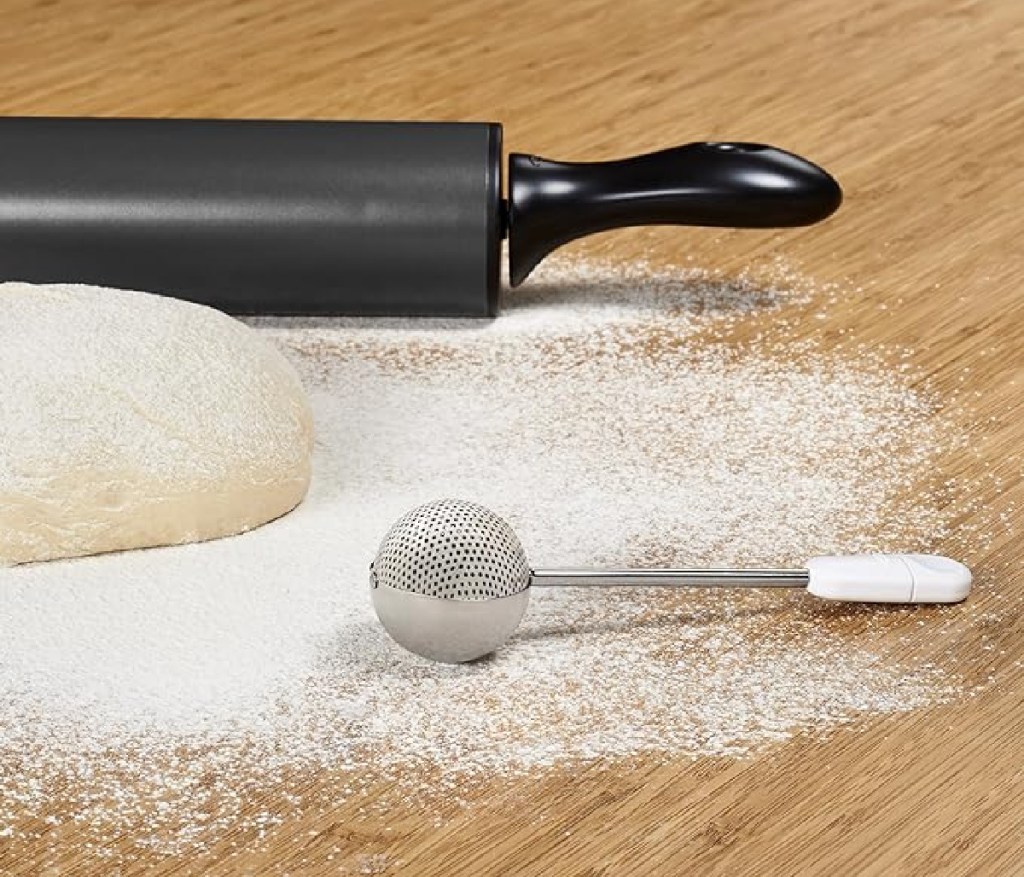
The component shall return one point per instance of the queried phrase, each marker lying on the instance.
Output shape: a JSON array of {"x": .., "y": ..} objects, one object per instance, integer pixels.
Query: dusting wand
[
  {"x": 356, "y": 218},
  {"x": 451, "y": 581}
]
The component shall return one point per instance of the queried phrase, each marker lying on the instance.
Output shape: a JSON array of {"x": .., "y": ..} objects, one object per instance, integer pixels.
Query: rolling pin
[{"x": 355, "y": 218}]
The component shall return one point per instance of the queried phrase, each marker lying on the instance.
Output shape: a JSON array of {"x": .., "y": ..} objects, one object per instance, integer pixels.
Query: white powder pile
[{"x": 156, "y": 694}]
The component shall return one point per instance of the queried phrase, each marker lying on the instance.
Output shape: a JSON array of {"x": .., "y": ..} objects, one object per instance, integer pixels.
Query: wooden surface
[{"x": 918, "y": 108}]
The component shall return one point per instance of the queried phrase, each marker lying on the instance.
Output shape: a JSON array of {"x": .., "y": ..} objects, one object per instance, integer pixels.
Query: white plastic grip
[{"x": 889, "y": 578}]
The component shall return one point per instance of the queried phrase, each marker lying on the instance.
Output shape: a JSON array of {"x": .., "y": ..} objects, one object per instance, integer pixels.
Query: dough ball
[{"x": 130, "y": 420}]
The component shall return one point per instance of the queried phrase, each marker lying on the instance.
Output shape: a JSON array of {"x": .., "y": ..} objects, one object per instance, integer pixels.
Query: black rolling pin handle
[{"x": 735, "y": 185}]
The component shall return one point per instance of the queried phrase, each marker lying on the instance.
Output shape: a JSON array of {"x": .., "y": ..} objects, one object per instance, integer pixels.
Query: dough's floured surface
[{"x": 131, "y": 420}]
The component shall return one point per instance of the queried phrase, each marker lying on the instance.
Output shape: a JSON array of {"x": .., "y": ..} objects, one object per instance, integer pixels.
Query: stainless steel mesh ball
[
  {"x": 450, "y": 581},
  {"x": 455, "y": 550}
]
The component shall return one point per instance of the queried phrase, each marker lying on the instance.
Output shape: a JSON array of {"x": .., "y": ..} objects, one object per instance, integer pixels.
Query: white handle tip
[{"x": 889, "y": 578}]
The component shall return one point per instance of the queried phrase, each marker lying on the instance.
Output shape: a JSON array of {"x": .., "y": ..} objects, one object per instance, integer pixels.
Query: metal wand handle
[{"x": 671, "y": 578}]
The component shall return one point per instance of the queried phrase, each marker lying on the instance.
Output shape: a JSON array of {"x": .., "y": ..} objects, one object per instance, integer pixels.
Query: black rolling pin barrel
[{"x": 359, "y": 218}]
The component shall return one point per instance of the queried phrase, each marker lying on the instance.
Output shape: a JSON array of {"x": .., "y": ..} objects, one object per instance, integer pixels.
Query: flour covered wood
[{"x": 609, "y": 419}]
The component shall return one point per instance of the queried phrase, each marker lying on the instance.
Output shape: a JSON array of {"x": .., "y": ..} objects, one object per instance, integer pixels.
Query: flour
[{"x": 605, "y": 418}]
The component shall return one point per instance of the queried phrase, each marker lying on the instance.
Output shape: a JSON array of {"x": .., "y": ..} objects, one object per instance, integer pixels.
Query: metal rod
[{"x": 671, "y": 578}]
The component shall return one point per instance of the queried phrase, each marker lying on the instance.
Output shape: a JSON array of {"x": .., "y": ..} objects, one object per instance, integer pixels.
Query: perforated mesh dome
[{"x": 455, "y": 550}]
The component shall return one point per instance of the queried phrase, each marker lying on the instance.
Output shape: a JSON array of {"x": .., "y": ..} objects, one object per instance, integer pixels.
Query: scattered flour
[{"x": 157, "y": 692}]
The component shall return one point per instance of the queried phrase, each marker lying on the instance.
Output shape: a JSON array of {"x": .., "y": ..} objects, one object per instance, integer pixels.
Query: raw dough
[{"x": 130, "y": 420}]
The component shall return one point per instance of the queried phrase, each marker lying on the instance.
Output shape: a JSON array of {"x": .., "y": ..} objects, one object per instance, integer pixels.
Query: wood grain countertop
[{"x": 918, "y": 108}]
